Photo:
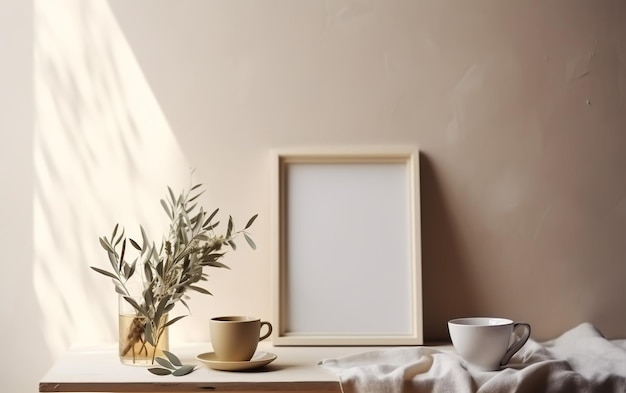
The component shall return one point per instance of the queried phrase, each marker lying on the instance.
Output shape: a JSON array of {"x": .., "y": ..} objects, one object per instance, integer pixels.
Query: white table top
[{"x": 98, "y": 369}]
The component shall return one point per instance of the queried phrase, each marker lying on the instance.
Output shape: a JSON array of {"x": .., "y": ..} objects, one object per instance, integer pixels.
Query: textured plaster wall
[
  {"x": 517, "y": 106},
  {"x": 24, "y": 347}
]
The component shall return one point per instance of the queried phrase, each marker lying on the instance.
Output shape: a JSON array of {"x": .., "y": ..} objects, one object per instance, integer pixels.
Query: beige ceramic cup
[
  {"x": 235, "y": 338},
  {"x": 487, "y": 344}
]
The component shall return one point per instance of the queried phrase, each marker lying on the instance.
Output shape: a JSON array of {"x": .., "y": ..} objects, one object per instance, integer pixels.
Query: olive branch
[{"x": 172, "y": 269}]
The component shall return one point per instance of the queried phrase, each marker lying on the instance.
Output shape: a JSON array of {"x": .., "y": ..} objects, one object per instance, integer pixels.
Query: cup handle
[
  {"x": 517, "y": 345},
  {"x": 269, "y": 330}
]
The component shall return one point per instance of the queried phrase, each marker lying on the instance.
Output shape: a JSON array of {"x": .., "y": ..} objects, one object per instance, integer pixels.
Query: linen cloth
[{"x": 580, "y": 360}]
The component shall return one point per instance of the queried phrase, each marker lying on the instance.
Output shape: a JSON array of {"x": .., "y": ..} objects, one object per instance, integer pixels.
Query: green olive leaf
[
  {"x": 208, "y": 220},
  {"x": 136, "y": 306},
  {"x": 119, "y": 288},
  {"x": 215, "y": 264},
  {"x": 172, "y": 321},
  {"x": 148, "y": 334},
  {"x": 113, "y": 260},
  {"x": 122, "y": 257},
  {"x": 172, "y": 358},
  {"x": 172, "y": 195},
  {"x": 199, "y": 289},
  {"x": 212, "y": 226},
  {"x": 131, "y": 271},
  {"x": 114, "y": 231},
  {"x": 147, "y": 270},
  {"x": 250, "y": 221},
  {"x": 190, "y": 209},
  {"x": 229, "y": 231},
  {"x": 165, "y": 363},
  {"x": 119, "y": 239},
  {"x": 108, "y": 274},
  {"x": 144, "y": 237},
  {"x": 134, "y": 244},
  {"x": 167, "y": 209},
  {"x": 184, "y": 370},
  {"x": 105, "y": 244},
  {"x": 159, "y": 371},
  {"x": 250, "y": 241}
]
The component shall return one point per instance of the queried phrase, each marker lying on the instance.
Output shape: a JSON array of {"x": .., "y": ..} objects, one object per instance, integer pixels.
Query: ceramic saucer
[{"x": 258, "y": 360}]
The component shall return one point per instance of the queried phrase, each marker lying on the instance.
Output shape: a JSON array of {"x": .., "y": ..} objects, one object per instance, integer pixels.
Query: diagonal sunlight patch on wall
[{"x": 103, "y": 154}]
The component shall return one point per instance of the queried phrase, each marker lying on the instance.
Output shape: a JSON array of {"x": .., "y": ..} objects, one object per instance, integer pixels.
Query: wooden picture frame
[{"x": 347, "y": 246}]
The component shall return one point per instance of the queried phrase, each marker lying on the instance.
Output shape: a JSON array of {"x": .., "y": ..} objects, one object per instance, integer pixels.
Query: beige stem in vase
[{"x": 134, "y": 335}]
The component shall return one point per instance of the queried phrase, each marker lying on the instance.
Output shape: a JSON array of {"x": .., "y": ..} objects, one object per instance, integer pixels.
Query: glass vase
[{"x": 134, "y": 348}]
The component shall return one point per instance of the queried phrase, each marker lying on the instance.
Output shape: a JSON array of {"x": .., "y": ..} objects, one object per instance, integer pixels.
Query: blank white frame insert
[{"x": 347, "y": 247}]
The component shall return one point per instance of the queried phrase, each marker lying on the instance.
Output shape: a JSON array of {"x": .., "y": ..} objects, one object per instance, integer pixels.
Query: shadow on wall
[
  {"x": 446, "y": 284},
  {"x": 102, "y": 151}
]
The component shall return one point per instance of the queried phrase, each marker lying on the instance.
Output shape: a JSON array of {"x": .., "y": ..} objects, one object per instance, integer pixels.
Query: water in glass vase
[{"x": 133, "y": 348}]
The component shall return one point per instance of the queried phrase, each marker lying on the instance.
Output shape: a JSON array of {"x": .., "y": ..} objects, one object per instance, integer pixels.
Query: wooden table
[{"x": 98, "y": 369}]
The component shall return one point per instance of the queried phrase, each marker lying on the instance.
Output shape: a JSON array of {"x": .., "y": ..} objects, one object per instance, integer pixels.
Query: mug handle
[
  {"x": 269, "y": 330},
  {"x": 517, "y": 345}
]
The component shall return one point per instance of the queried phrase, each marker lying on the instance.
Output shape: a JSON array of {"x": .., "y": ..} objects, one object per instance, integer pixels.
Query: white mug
[{"x": 485, "y": 343}]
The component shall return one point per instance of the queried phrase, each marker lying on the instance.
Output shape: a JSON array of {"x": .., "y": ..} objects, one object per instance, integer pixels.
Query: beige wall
[
  {"x": 24, "y": 347},
  {"x": 518, "y": 108}
]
